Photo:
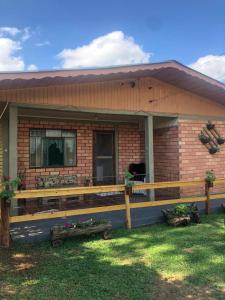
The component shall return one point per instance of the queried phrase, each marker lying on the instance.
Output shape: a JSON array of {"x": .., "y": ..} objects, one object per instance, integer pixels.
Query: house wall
[
  {"x": 194, "y": 159},
  {"x": 129, "y": 139},
  {"x": 166, "y": 154},
  {"x": 166, "y": 159},
  {"x": 148, "y": 95}
]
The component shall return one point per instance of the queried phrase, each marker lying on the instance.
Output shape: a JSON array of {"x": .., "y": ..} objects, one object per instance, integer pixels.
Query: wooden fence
[{"x": 6, "y": 219}]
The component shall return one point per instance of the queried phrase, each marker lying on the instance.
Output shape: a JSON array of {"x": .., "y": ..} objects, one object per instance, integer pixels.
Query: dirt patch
[{"x": 170, "y": 288}]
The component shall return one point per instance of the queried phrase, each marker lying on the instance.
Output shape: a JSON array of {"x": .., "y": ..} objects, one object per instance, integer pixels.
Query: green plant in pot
[
  {"x": 203, "y": 138},
  {"x": 8, "y": 189},
  {"x": 128, "y": 182},
  {"x": 181, "y": 210},
  {"x": 210, "y": 178}
]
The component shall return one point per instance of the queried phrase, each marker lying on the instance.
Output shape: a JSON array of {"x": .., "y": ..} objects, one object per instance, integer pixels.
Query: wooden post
[
  {"x": 5, "y": 234},
  {"x": 128, "y": 216},
  {"x": 207, "y": 203}
]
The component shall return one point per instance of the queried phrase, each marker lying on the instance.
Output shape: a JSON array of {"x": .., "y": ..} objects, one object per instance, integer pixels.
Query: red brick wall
[
  {"x": 166, "y": 160},
  {"x": 166, "y": 154},
  {"x": 194, "y": 158},
  {"x": 130, "y": 145}
]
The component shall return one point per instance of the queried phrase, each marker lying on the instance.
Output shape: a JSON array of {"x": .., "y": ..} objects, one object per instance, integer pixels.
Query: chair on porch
[{"x": 139, "y": 173}]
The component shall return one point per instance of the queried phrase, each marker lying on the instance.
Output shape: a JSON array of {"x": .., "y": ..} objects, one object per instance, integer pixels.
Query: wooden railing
[{"x": 127, "y": 205}]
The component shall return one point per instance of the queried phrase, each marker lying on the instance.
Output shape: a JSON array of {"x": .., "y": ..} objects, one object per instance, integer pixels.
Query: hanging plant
[
  {"x": 210, "y": 125},
  {"x": 8, "y": 188},
  {"x": 128, "y": 183},
  {"x": 213, "y": 150},
  {"x": 210, "y": 178},
  {"x": 220, "y": 140},
  {"x": 204, "y": 139}
]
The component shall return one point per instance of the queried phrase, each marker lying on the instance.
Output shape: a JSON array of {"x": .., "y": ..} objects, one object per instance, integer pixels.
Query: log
[{"x": 60, "y": 232}]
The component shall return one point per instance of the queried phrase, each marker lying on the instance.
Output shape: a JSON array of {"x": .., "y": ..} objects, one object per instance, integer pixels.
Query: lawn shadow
[{"x": 121, "y": 268}]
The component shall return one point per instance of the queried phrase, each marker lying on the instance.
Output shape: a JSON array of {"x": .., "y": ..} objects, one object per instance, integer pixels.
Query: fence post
[
  {"x": 5, "y": 235},
  {"x": 207, "y": 203},
  {"x": 128, "y": 216}
]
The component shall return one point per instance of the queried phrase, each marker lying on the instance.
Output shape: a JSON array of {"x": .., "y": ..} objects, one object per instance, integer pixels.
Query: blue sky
[{"x": 50, "y": 33}]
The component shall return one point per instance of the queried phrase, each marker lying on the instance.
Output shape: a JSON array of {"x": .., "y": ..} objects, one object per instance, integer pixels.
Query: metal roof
[{"x": 170, "y": 72}]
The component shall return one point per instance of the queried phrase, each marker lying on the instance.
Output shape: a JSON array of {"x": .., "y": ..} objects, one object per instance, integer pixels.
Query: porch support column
[
  {"x": 13, "y": 120},
  {"x": 149, "y": 155}
]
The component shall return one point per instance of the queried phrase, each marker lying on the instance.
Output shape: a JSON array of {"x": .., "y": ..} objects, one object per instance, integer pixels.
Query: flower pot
[
  {"x": 213, "y": 150},
  {"x": 209, "y": 184},
  {"x": 204, "y": 140},
  {"x": 220, "y": 141},
  {"x": 210, "y": 126}
]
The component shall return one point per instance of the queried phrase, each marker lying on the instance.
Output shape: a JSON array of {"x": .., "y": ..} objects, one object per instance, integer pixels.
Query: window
[{"x": 52, "y": 148}]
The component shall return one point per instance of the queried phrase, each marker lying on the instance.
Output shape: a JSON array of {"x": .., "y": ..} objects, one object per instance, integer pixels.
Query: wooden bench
[{"x": 56, "y": 181}]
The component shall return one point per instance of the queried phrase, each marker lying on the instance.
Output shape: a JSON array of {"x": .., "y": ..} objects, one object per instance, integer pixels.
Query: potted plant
[
  {"x": 210, "y": 125},
  {"x": 59, "y": 232},
  {"x": 180, "y": 215},
  {"x": 203, "y": 138},
  {"x": 210, "y": 178},
  {"x": 128, "y": 183},
  {"x": 8, "y": 189},
  {"x": 220, "y": 140},
  {"x": 213, "y": 150}
]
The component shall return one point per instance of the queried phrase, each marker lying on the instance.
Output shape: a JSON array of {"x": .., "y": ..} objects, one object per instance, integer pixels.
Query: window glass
[
  {"x": 52, "y": 148},
  {"x": 104, "y": 144},
  {"x": 53, "y": 152},
  {"x": 53, "y": 133},
  {"x": 68, "y": 133},
  {"x": 33, "y": 151},
  {"x": 37, "y": 132},
  {"x": 69, "y": 151}
]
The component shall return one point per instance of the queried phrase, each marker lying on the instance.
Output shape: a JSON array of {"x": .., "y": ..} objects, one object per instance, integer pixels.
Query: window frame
[{"x": 55, "y": 166}]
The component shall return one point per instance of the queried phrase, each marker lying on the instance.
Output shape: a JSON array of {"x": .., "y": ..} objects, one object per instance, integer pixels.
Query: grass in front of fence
[{"x": 156, "y": 262}]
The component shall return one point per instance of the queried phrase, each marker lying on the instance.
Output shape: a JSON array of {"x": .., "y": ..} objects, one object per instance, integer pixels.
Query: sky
[{"x": 43, "y": 35}]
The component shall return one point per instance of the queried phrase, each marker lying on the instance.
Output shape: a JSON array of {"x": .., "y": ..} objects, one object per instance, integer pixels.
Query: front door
[{"x": 103, "y": 160}]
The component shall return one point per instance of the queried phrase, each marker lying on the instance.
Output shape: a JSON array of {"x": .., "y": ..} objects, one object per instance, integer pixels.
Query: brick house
[{"x": 95, "y": 123}]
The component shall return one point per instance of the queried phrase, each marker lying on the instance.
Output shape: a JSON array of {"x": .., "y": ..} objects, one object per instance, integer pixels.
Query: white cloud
[
  {"x": 9, "y": 61},
  {"x": 11, "y": 43},
  {"x": 42, "y": 44},
  {"x": 114, "y": 48},
  {"x": 211, "y": 65},
  {"x": 26, "y": 34},
  {"x": 32, "y": 67},
  {"x": 9, "y": 30}
]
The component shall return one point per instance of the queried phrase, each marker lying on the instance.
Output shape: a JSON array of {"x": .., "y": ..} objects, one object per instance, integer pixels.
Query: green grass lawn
[{"x": 155, "y": 262}]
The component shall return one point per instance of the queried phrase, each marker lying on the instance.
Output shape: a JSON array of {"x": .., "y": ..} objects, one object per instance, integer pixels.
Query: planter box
[
  {"x": 174, "y": 220},
  {"x": 60, "y": 232}
]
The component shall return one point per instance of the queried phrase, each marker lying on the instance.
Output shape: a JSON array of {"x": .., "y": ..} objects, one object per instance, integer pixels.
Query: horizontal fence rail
[
  {"x": 62, "y": 192},
  {"x": 121, "y": 189}
]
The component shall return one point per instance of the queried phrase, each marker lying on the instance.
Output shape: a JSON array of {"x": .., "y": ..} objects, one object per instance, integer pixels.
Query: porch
[{"x": 88, "y": 149}]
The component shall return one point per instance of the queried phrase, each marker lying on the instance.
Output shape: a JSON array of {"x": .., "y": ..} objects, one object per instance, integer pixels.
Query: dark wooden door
[{"x": 104, "y": 158}]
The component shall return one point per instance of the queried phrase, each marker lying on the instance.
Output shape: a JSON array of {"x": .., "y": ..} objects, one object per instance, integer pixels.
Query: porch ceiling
[
  {"x": 171, "y": 72},
  {"x": 79, "y": 116}
]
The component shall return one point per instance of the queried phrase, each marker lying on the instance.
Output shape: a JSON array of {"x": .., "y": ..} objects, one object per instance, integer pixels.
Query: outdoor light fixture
[{"x": 132, "y": 84}]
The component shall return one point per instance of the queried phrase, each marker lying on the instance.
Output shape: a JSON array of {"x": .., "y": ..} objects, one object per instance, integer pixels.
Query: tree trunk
[{"x": 5, "y": 235}]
